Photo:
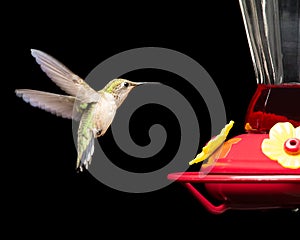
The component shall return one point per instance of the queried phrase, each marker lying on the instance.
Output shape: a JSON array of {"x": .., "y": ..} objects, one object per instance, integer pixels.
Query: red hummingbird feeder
[{"x": 259, "y": 169}]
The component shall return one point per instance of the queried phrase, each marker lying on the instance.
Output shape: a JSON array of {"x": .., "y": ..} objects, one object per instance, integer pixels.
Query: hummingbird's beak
[{"x": 142, "y": 83}]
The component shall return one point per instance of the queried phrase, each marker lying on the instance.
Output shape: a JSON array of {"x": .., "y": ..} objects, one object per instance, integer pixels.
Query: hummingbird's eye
[{"x": 126, "y": 84}]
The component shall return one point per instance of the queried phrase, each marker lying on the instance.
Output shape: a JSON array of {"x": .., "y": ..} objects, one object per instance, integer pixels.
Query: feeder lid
[{"x": 243, "y": 155}]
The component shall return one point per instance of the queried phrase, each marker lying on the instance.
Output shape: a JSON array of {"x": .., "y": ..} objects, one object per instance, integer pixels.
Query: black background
[{"x": 45, "y": 192}]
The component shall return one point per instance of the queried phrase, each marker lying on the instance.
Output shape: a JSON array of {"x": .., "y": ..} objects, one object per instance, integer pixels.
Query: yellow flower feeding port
[{"x": 283, "y": 145}]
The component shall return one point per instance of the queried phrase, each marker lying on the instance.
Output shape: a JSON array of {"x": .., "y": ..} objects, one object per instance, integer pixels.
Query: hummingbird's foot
[{"x": 98, "y": 133}]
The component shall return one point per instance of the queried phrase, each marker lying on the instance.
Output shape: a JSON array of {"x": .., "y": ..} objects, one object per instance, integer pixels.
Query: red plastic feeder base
[{"x": 244, "y": 180}]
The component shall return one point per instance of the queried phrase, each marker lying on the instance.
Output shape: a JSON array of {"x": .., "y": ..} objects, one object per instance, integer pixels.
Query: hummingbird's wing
[
  {"x": 57, "y": 104},
  {"x": 85, "y": 138},
  {"x": 64, "y": 78}
]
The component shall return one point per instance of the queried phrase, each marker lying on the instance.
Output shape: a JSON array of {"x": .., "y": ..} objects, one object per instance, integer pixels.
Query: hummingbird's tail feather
[
  {"x": 85, "y": 155},
  {"x": 59, "y": 105},
  {"x": 64, "y": 77},
  {"x": 85, "y": 138}
]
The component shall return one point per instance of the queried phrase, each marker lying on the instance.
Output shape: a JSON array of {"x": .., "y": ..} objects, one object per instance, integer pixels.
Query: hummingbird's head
[{"x": 120, "y": 88}]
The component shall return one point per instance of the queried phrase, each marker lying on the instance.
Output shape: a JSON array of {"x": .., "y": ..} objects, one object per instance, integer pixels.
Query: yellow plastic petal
[
  {"x": 272, "y": 148},
  {"x": 213, "y": 144},
  {"x": 282, "y": 131},
  {"x": 289, "y": 161},
  {"x": 297, "y": 132}
]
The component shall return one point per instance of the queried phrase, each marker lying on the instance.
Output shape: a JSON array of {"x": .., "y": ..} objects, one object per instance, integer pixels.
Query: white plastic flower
[{"x": 283, "y": 145}]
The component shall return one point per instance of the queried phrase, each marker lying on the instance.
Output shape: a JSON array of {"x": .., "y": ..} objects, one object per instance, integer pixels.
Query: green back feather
[{"x": 112, "y": 85}]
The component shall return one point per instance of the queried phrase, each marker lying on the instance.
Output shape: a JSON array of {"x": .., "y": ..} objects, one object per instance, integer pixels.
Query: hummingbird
[{"x": 95, "y": 110}]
